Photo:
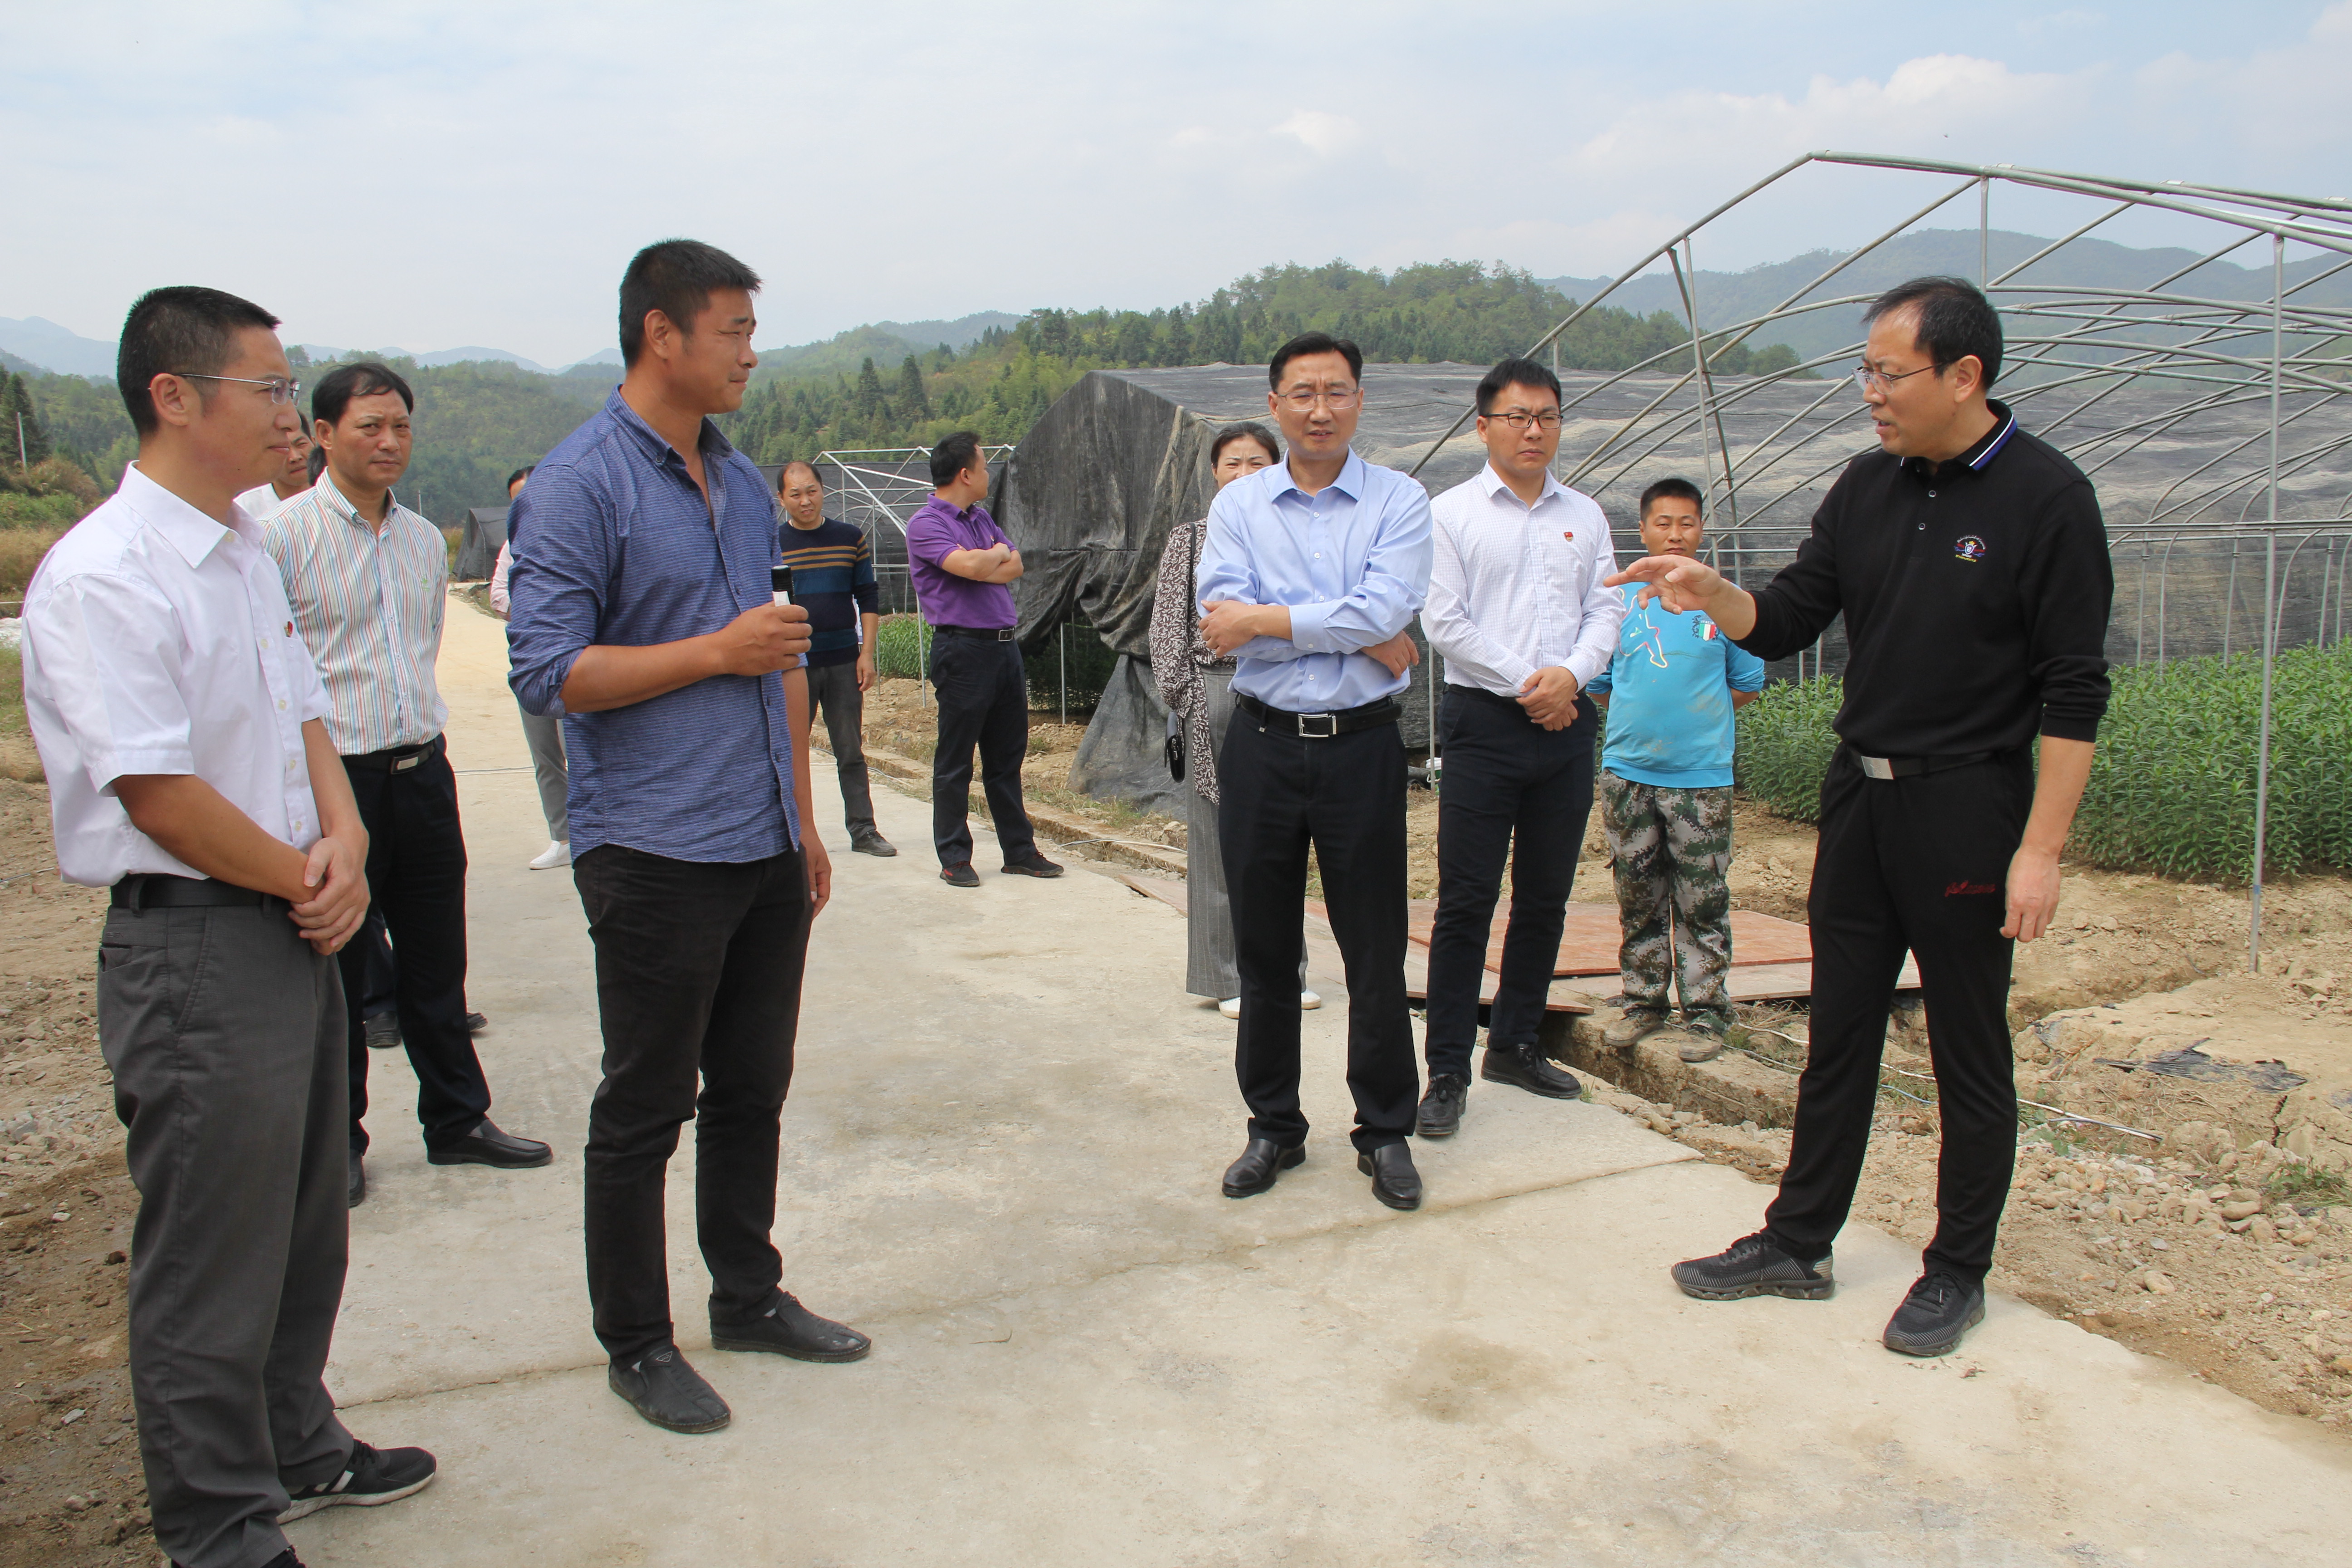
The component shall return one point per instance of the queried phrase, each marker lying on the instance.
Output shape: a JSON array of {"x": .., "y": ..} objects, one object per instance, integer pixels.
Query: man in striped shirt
[
  {"x": 369, "y": 580},
  {"x": 1519, "y": 613},
  {"x": 833, "y": 579}
]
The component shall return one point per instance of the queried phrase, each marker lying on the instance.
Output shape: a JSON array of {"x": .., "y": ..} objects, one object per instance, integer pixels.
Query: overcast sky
[{"x": 433, "y": 174}]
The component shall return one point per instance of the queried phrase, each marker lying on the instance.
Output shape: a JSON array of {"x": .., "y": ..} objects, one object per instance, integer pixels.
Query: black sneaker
[
  {"x": 1752, "y": 1265},
  {"x": 1441, "y": 1108},
  {"x": 477, "y": 1022},
  {"x": 661, "y": 1387},
  {"x": 383, "y": 1032},
  {"x": 1033, "y": 866},
  {"x": 1939, "y": 1309},
  {"x": 372, "y": 1476},
  {"x": 959, "y": 875},
  {"x": 872, "y": 844}
]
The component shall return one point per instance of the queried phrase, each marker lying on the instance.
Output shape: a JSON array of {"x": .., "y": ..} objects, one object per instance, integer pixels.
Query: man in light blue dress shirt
[{"x": 1312, "y": 572}]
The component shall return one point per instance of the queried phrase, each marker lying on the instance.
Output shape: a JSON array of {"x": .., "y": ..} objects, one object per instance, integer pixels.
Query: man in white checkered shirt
[
  {"x": 369, "y": 580},
  {"x": 1518, "y": 612}
]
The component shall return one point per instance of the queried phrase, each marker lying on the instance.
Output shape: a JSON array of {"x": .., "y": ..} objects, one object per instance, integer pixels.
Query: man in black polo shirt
[{"x": 1970, "y": 561}]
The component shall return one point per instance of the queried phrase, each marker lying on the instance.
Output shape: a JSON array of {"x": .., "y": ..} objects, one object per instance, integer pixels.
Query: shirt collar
[
  {"x": 187, "y": 530},
  {"x": 1350, "y": 483},
  {"x": 1495, "y": 486},
  {"x": 1976, "y": 457},
  {"x": 656, "y": 445},
  {"x": 339, "y": 505}
]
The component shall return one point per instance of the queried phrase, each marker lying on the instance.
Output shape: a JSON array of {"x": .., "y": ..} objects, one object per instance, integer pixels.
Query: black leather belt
[
  {"x": 1321, "y": 726},
  {"x": 396, "y": 759},
  {"x": 1912, "y": 767},
  {"x": 161, "y": 890},
  {"x": 978, "y": 634}
]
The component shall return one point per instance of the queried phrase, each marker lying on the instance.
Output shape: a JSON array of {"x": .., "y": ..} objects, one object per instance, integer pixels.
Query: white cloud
[{"x": 1320, "y": 132}]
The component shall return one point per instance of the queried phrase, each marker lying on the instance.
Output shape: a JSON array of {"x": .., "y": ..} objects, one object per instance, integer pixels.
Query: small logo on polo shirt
[
  {"x": 1969, "y": 547},
  {"x": 1705, "y": 630}
]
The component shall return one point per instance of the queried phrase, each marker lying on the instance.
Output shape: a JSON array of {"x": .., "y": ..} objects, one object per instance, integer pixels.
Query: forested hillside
[{"x": 477, "y": 421}]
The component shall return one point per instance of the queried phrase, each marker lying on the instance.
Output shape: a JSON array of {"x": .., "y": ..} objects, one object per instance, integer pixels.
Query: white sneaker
[
  {"x": 557, "y": 853},
  {"x": 1309, "y": 1000}
]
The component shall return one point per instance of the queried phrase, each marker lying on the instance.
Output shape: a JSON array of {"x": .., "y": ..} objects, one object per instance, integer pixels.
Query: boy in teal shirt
[{"x": 1665, "y": 792}]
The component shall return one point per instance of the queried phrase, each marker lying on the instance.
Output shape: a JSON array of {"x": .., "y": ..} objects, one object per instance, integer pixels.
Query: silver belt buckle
[
  {"x": 405, "y": 763},
  {"x": 1876, "y": 767},
  {"x": 1331, "y": 726}
]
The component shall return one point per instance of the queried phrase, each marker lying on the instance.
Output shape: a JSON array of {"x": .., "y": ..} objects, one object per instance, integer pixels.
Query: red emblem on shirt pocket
[
  {"x": 1568, "y": 534},
  {"x": 289, "y": 628}
]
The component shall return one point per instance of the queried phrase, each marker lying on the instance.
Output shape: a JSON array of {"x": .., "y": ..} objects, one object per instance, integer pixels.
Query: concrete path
[{"x": 999, "y": 1159}]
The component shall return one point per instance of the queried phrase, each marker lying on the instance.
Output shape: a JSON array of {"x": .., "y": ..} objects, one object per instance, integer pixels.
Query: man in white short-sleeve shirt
[{"x": 181, "y": 723}]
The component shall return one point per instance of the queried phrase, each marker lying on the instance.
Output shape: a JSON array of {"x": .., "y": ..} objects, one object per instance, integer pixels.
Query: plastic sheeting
[{"x": 477, "y": 546}]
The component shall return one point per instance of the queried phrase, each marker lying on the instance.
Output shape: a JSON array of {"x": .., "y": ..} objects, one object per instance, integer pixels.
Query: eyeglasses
[
  {"x": 1519, "y": 420},
  {"x": 1336, "y": 401},
  {"x": 1871, "y": 380},
  {"x": 282, "y": 389}
]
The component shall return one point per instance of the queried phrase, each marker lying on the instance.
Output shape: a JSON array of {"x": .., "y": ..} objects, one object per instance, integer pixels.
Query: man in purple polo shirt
[{"x": 961, "y": 562}]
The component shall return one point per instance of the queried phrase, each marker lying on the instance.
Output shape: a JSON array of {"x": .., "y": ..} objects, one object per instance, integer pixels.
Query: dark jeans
[
  {"x": 225, "y": 1034},
  {"x": 1513, "y": 789},
  {"x": 1345, "y": 795},
  {"x": 984, "y": 701},
  {"x": 697, "y": 975},
  {"x": 1921, "y": 862},
  {"x": 833, "y": 691},
  {"x": 416, "y": 875}
]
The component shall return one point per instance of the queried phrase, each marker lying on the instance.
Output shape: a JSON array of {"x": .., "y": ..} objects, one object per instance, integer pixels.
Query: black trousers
[
  {"x": 225, "y": 1034},
  {"x": 698, "y": 976},
  {"x": 832, "y": 692},
  {"x": 984, "y": 701},
  {"x": 1513, "y": 789},
  {"x": 1345, "y": 795},
  {"x": 416, "y": 876},
  {"x": 1922, "y": 863}
]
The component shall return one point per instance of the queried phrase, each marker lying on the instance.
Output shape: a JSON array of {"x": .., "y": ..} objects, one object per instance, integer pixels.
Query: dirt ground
[{"x": 70, "y": 1490}]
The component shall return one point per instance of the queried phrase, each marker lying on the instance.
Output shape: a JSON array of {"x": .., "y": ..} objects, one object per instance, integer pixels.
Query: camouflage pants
[{"x": 1670, "y": 850}]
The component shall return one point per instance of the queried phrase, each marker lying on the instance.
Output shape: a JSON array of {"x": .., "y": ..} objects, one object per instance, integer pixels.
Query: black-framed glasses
[
  {"x": 1520, "y": 419},
  {"x": 282, "y": 389},
  {"x": 1302, "y": 400},
  {"x": 1870, "y": 380}
]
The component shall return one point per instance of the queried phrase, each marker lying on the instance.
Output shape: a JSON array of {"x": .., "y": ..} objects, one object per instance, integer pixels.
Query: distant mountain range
[{"x": 34, "y": 343}]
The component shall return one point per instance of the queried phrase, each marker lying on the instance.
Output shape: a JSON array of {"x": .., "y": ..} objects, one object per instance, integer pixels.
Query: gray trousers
[
  {"x": 1209, "y": 967},
  {"x": 545, "y": 733},
  {"x": 224, "y": 1031},
  {"x": 833, "y": 690}
]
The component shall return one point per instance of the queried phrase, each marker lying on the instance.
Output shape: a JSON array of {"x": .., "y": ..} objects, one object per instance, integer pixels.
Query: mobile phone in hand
[{"x": 780, "y": 581}]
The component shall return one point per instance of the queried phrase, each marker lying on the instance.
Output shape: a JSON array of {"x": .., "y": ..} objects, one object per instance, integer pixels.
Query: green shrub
[
  {"x": 1785, "y": 742},
  {"x": 899, "y": 644},
  {"x": 2173, "y": 783}
]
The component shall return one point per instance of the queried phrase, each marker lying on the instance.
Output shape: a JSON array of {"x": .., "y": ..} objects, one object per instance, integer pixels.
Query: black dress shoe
[
  {"x": 1441, "y": 1108},
  {"x": 668, "y": 1392},
  {"x": 1261, "y": 1162},
  {"x": 477, "y": 1022},
  {"x": 358, "y": 1193},
  {"x": 486, "y": 1145},
  {"x": 790, "y": 1329},
  {"x": 1394, "y": 1181},
  {"x": 1524, "y": 1066},
  {"x": 959, "y": 875},
  {"x": 383, "y": 1031},
  {"x": 1033, "y": 866}
]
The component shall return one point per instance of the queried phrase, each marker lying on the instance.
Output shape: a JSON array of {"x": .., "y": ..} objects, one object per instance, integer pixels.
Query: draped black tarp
[{"x": 477, "y": 546}]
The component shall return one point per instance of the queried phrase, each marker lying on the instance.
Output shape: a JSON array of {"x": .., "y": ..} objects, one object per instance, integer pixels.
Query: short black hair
[
  {"x": 1247, "y": 430},
  {"x": 317, "y": 461},
  {"x": 676, "y": 277},
  {"x": 786, "y": 472},
  {"x": 1677, "y": 489},
  {"x": 1955, "y": 321},
  {"x": 179, "y": 331},
  {"x": 1514, "y": 373},
  {"x": 1313, "y": 343},
  {"x": 952, "y": 456},
  {"x": 518, "y": 476},
  {"x": 360, "y": 378}
]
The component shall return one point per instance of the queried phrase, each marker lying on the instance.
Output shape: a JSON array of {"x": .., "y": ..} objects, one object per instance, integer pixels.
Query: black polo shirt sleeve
[
  {"x": 2067, "y": 587},
  {"x": 1797, "y": 607}
]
